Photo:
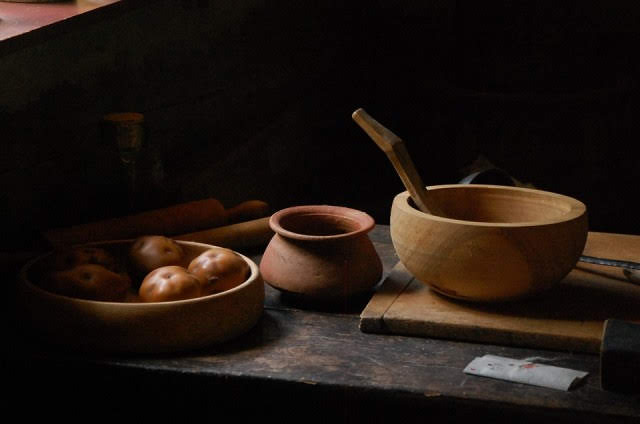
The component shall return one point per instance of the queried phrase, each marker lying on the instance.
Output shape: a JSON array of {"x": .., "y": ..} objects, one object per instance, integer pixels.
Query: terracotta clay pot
[{"x": 321, "y": 252}]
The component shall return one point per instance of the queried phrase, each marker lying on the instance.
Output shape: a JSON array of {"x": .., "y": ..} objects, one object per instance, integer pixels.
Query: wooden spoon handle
[{"x": 397, "y": 153}]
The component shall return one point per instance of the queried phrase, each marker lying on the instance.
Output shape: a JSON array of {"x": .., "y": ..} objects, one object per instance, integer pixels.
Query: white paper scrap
[{"x": 526, "y": 372}]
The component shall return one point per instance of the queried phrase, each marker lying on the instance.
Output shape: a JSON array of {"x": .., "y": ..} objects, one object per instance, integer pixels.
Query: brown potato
[
  {"x": 219, "y": 269},
  {"x": 71, "y": 257},
  {"x": 169, "y": 283},
  {"x": 151, "y": 252},
  {"x": 89, "y": 281}
]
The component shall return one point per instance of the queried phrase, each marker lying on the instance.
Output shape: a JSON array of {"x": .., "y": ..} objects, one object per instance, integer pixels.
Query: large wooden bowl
[
  {"x": 155, "y": 327},
  {"x": 496, "y": 243}
]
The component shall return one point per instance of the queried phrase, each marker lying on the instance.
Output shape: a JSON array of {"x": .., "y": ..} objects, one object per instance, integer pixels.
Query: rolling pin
[
  {"x": 251, "y": 233},
  {"x": 247, "y": 234},
  {"x": 177, "y": 219}
]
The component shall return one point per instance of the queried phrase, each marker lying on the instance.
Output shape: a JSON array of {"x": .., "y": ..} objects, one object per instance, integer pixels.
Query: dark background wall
[{"x": 253, "y": 99}]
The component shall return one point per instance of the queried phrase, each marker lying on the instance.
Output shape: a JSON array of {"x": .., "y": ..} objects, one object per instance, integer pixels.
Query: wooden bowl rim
[
  {"x": 255, "y": 275},
  {"x": 576, "y": 207}
]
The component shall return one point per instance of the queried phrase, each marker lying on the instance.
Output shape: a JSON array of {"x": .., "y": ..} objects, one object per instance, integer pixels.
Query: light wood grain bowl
[
  {"x": 155, "y": 327},
  {"x": 495, "y": 243}
]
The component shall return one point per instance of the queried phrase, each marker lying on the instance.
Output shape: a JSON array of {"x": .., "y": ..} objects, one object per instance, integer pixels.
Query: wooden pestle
[
  {"x": 177, "y": 219},
  {"x": 397, "y": 153}
]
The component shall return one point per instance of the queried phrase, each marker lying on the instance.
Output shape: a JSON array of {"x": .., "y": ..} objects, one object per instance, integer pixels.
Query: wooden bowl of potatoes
[{"x": 148, "y": 295}]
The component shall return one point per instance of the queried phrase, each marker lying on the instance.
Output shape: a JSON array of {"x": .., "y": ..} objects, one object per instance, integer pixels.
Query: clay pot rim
[
  {"x": 364, "y": 221},
  {"x": 575, "y": 210}
]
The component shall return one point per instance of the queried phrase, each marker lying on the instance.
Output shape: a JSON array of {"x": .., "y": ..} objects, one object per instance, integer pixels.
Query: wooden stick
[{"x": 397, "y": 153}]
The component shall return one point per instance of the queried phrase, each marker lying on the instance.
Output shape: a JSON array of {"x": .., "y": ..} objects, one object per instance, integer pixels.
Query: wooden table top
[
  {"x": 311, "y": 360},
  {"x": 22, "y": 23}
]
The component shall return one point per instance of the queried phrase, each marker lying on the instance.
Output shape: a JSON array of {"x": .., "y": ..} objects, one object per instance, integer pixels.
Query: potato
[
  {"x": 151, "y": 252},
  {"x": 219, "y": 269},
  {"x": 169, "y": 283},
  {"x": 89, "y": 281}
]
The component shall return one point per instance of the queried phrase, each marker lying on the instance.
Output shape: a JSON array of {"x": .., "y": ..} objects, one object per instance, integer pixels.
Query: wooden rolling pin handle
[
  {"x": 235, "y": 236},
  {"x": 245, "y": 211}
]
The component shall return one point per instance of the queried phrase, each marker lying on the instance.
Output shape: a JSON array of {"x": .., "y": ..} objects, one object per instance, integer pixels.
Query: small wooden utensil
[{"x": 397, "y": 153}]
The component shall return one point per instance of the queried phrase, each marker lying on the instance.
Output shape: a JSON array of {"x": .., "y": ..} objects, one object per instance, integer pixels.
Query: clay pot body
[{"x": 321, "y": 252}]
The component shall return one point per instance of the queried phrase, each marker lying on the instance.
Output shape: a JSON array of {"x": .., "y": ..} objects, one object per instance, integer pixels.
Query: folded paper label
[{"x": 526, "y": 372}]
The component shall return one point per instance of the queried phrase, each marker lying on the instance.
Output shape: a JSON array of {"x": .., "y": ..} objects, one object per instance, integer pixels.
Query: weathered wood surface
[
  {"x": 23, "y": 23},
  {"x": 312, "y": 363},
  {"x": 570, "y": 317}
]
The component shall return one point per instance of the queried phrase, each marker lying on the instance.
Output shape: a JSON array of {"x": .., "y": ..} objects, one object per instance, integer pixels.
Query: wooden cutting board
[{"x": 569, "y": 317}]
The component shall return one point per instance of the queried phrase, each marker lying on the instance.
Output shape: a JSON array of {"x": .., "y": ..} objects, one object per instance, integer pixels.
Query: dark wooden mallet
[{"x": 620, "y": 356}]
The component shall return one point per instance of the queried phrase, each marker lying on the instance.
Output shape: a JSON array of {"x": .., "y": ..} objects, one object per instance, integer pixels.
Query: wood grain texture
[
  {"x": 569, "y": 317},
  {"x": 396, "y": 282},
  {"x": 300, "y": 356},
  {"x": 309, "y": 358},
  {"x": 494, "y": 243}
]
